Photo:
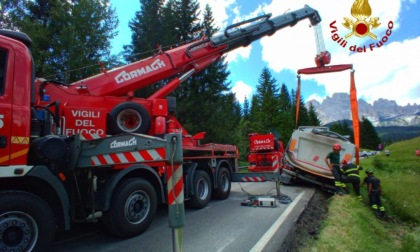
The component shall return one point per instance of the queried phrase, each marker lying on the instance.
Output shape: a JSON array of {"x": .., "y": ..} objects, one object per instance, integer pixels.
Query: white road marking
[
  {"x": 260, "y": 245},
  {"x": 229, "y": 241}
]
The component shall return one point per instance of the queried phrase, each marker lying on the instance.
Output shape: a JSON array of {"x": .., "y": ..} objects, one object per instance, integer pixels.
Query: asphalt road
[{"x": 221, "y": 226}]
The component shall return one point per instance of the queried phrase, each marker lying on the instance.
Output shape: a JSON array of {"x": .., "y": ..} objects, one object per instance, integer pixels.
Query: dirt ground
[{"x": 308, "y": 225}]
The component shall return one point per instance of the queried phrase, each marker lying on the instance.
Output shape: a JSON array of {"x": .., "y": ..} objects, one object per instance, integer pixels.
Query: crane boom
[
  {"x": 187, "y": 59},
  {"x": 265, "y": 26}
]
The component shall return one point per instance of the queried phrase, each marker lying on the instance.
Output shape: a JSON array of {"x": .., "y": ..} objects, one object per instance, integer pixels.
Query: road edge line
[{"x": 260, "y": 245}]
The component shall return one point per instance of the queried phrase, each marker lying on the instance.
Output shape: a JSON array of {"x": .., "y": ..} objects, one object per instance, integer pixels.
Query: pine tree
[
  {"x": 147, "y": 35},
  {"x": 202, "y": 98},
  {"x": 146, "y": 31},
  {"x": 286, "y": 114},
  {"x": 267, "y": 101},
  {"x": 241, "y": 138},
  {"x": 369, "y": 138},
  {"x": 205, "y": 97},
  {"x": 169, "y": 34},
  {"x": 228, "y": 117},
  {"x": 11, "y": 12},
  {"x": 37, "y": 21},
  {"x": 254, "y": 116},
  {"x": 303, "y": 114},
  {"x": 245, "y": 111},
  {"x": 186, "y": 26},
  {"x": 85, "y": 39},
  {"x": 244, "y": 128},
  {"x": 343, "y": 128},
  {"x": 67, "y": 36},
  {"x": 313, "y": 117},
  {"x": 187, "y": 12}
]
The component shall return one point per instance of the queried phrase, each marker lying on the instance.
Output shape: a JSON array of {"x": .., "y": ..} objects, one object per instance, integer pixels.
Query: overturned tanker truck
[{"x": 304, "y": 155}]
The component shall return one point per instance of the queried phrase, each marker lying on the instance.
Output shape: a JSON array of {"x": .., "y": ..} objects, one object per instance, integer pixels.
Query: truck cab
[{"x": 15, "y": 100}]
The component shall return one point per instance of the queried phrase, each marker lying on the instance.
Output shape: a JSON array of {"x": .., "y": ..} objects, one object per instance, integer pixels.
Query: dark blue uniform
[
  {"x": 351, "y": 172},
  {"x": 374, "y": 192}
]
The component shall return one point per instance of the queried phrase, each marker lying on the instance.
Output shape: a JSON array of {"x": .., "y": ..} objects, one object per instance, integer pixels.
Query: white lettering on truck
[
  {"x": 86, "y": 114},
  {"x": 265, "y": 141},
  {"x": 127, "y": 143},
  {"x": 84, "y": 131},
  {"x": 124, "y": 76}
]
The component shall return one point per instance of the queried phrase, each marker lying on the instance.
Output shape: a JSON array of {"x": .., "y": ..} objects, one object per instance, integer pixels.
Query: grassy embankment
[{"x": 352, "y": 226}]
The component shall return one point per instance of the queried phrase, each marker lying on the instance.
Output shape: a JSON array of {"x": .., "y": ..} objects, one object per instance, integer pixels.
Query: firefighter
[
  {"x": 333, "y": 162},
  {"x": 374, "y": 188},
  {"x": 351, "y": 175}
]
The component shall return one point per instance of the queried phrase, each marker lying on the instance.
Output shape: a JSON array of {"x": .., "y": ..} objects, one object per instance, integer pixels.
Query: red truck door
[
  {"x": 15, "y": 93},
  {"x": 5, "y": 111}
]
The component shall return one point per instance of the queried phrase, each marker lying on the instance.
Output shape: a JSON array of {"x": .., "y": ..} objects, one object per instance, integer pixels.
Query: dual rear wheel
[
  {"x": 134, "y": 202},
  {"x": 133, "y": 207},
  {"x": 202, "y": 188}
]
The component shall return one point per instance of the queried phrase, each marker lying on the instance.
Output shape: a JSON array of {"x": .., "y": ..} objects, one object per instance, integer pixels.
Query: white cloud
[
  {"x": 389, "y": 72},
  {"x": 255, "y": 13},
  {"x": 239, "y": 53},
  {"x": 315, "y": 97},
  {"x": 242, "y": 90},
  {"x": 219, "y": 9}
]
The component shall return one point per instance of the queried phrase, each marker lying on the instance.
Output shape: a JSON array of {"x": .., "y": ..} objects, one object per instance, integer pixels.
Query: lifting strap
[{"x": 353, "y": 97}]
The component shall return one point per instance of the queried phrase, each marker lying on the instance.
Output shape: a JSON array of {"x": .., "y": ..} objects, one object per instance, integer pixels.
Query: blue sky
[{"x": 391, "y": 71}]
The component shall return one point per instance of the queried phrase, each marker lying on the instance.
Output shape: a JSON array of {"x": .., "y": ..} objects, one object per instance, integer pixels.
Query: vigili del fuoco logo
[{"x": 361, "y": 25}]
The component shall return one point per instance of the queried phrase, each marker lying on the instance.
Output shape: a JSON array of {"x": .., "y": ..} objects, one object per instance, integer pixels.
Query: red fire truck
[
  {"x": 265, "y": 153},
  {"x": 90, "y": 149}
]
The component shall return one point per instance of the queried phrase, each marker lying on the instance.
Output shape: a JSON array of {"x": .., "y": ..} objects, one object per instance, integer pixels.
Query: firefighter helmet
[
  {"x": 344, "y": 162},
  {"x": 336, "y": 147},
  {"x": 369, "y": 171}
]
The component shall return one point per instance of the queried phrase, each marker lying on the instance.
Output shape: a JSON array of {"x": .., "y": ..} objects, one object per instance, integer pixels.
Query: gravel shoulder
[{"x": 307, "y": 227}]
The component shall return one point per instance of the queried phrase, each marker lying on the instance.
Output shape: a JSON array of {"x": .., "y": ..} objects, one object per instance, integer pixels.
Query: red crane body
[{"x": 103, "y": 104}]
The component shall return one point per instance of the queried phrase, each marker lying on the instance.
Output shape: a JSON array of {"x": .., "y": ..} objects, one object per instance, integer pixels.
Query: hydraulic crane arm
[
  {"x": 188, "y": 59},
  {"x": 243, "y": 33}
]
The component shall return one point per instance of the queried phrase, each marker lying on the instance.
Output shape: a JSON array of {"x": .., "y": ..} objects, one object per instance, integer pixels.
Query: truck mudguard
[
  {"x": 43, "y": 173},
  {"x": 189, "y": 169},
  {"x": 104, "y": 197},
  {"x": 220, "y": 163}
]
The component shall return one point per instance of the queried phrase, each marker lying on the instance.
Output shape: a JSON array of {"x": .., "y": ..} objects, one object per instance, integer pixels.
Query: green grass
[
  {"x": 352, "y": 226},
  {"x": 400, "y": 176}
]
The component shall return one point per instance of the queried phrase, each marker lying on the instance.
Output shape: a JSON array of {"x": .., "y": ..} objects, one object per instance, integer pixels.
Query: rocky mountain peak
[{"x": 383, "y": 112}]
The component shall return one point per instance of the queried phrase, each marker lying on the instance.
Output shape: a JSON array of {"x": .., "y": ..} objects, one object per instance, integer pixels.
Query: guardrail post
[
  {"x": 175, "y": 184},
  {"x": 278, "y": 183}
]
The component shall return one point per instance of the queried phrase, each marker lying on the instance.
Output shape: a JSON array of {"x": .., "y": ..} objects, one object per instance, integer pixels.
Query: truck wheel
[
  {"x": 27, "y": 223},
  {"x": 133, "y": 207},
  {"x": 223, "y": 184},
  {"x": 128, "y": 117},
  {"x": 202, "y": 190}
]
